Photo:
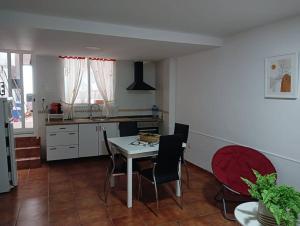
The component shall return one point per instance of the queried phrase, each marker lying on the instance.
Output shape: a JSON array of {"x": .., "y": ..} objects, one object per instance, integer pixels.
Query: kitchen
[
  {"x": 213, "y": 65},
  {"x": 134, "y": 103}
]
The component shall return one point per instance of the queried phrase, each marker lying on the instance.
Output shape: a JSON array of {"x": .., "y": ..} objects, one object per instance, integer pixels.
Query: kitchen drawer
[
  {"x": 62, "y": 152},
  {"x": 62, "y": 128},
  {"x": 62, "y": 138}
]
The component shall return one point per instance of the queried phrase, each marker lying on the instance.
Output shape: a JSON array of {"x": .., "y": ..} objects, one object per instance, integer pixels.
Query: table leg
[
  {"x": 178, "y": 191},
  {"x": 112, "y": 182},
  {"x": 129, "y": 182}
]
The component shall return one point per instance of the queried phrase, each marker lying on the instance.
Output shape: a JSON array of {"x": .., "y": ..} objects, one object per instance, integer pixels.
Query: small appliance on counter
[
  {"x": 55, "y": 108},
  {"x": 55, "y": 112}
]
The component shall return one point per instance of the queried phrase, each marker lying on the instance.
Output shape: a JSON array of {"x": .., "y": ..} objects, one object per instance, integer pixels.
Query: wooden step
[
  {"x": 28, "y": 152},
  {"x": 28, "y": 163},
  {"x": 22, "y": 142}
]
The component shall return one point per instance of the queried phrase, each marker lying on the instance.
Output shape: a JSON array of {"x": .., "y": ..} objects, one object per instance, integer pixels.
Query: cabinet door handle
[
  {"x": 71, "y": 147},
  {"x": 72, "y": 133},
  {"x": 62, "y": 128},
  {"x": 53, "y": 134},
  {"x": 52, "y": 148}
]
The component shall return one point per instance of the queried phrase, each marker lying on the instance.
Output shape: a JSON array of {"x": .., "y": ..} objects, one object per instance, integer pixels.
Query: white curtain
[
  {"x": 73, "y": 72},
  {"x": 104, "y": 75}
]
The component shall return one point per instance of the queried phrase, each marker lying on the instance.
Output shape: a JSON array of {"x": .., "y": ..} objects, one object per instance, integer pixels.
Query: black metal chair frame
[
  {"x": 155, "y": 183},
  {"x": 111, "y": 172},
  {"x": 184, "y": 139}
]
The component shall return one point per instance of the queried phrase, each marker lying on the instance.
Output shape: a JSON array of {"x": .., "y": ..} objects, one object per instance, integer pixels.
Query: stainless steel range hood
[{"x": 138, "y": 83}]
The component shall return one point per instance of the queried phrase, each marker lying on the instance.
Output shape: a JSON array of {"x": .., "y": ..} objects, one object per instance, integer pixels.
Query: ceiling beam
[{"x": 27, "y": 20}]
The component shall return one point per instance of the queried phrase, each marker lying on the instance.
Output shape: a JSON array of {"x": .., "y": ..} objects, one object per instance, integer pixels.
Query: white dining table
[{"x": 129, "y": 148}]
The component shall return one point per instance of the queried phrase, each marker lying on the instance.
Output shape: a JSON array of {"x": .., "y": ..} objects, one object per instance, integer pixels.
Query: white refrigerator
[{"x": 8, "y": 166}]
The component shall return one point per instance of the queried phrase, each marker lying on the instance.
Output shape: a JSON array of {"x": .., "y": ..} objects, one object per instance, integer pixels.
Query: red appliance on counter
[{"x": 55, "y": 108}]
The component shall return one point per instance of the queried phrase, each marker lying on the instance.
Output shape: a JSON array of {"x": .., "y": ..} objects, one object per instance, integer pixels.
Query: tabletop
[
  {"x": 246, "y": 214},
  {"x": 130, "y": 145}
]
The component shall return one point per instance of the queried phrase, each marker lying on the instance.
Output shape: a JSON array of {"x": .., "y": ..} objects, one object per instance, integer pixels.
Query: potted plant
[{"x": 278, "y": 204}]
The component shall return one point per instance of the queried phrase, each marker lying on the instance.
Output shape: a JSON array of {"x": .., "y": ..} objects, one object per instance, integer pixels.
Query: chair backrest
[
  {"x": 182, "y": 130},
  {"x": 128, "y": 129},
  {"x": 232, "y": 162},
  {"x": 106, "y": 143},
  {"x": 169, "y": 153}
]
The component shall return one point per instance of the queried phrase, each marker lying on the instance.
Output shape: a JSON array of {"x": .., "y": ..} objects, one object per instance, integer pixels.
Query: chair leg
[
  {"x": 187, "y": 174},
  {"x": 156, "y": 194},
  {"x": 220, "y": 196},
  {"x": 140, "y": 186},
  {"x": 181, "y": 194},
  {"x": 107, "y": 185},
  {"x": 225, "y": 211}
]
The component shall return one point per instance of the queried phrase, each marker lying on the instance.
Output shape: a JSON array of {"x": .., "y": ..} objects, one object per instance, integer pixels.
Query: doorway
[{"x": 16, "y": 80}]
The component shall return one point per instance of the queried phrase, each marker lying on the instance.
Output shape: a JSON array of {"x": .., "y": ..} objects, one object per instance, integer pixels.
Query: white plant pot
[{"x": 266, "y": 218}]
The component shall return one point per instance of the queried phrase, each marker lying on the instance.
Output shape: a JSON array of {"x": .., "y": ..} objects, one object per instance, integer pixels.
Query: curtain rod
[{"x": 89, "y": 58}]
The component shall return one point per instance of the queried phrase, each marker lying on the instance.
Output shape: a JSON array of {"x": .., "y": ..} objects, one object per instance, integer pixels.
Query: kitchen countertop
[{"x": 104, "y": 120}]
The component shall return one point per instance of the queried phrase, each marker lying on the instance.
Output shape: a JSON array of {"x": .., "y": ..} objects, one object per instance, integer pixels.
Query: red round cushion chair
[{"x": 230, "y": 163}]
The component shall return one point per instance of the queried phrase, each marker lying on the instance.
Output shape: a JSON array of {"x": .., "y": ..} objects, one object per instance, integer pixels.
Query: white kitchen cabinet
[
  {"x": 62, "y": 142},
  {"x": 78, "y": 140},
  {"x": 89, "y": 139},
  {"x": 112, "y": 130},
  {"x": 91, "y": 142}
]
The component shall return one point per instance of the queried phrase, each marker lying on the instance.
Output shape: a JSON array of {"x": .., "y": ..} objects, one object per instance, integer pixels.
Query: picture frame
[{"x": 282, "y": 76}]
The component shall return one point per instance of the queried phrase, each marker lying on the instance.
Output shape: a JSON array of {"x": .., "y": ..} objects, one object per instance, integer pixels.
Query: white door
[
  {"x": 88, "y": 139},
  {"x": 111, "y": 131}
]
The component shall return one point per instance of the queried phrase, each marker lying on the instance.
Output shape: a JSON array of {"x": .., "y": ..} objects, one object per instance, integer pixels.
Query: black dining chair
[
  {"x": 116, "y": 167},
  {"x": 128, "y": 129},
  {"x": 131, "y": 129},
  {"x": 166, "y": 167},
  {"x": 182, "y": 131}
]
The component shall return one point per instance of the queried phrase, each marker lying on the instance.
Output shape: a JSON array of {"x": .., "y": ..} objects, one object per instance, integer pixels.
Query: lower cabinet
[
  {"x": 112, "y": 130},
  {"x": 75, "y": 141},
  {"x": 88, "y": 140},
  {"x": 62, "y": 142},
  {"x": 91, "y": 141},
  {"x": 62, "y": 152}
]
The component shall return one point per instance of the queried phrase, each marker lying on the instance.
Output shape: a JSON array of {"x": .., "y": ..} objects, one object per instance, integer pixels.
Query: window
[
  {"x": 17, "y": 81},
  {"x": 85, "y": 78}
]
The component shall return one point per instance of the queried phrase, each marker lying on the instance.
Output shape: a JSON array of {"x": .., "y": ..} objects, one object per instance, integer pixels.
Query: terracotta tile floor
[{"x": 71, "y": 193}]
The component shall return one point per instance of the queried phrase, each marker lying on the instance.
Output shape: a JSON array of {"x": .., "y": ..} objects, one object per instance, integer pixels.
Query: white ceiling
[
  {"x": 132, "y": 29},
  {"x": 214, "y": 17},
  {"x": 49, "y": 42}
]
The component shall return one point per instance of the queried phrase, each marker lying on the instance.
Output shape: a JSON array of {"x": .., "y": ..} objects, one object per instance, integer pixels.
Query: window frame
[{"x": 89, "y": 74}]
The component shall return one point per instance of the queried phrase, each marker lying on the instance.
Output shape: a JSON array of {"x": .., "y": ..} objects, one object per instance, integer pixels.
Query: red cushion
[{"x": 230, "y": 163}]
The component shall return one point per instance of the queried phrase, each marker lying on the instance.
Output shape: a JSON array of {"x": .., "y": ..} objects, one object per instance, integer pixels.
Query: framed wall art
[{"x": 281, "y": 76}]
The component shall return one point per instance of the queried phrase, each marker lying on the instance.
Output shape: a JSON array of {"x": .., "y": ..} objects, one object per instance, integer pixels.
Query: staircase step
[
  {"x": 21, "y": 142},
  {"x": 28, "y": 163},
  {"x": 28, "y": 152}
]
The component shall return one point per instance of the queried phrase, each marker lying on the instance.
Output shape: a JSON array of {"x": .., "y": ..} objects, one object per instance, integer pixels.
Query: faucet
[{"x": 91, "y": 110}]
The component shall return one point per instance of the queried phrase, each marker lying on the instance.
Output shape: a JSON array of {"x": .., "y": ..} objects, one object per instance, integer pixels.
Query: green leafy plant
[
  {"x": 282, "y": 201},
  {"x": 262, "y": 184}
]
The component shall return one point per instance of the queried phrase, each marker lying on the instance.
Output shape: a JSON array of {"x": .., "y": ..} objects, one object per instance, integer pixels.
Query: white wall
[
  {"x": 166, "y": 92},
  {"x": 49, "y": 84},
  {"x": 220, "y": 93},
  {"x": 162, "y": 93},
  {"x": 134, "y": 99}
]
